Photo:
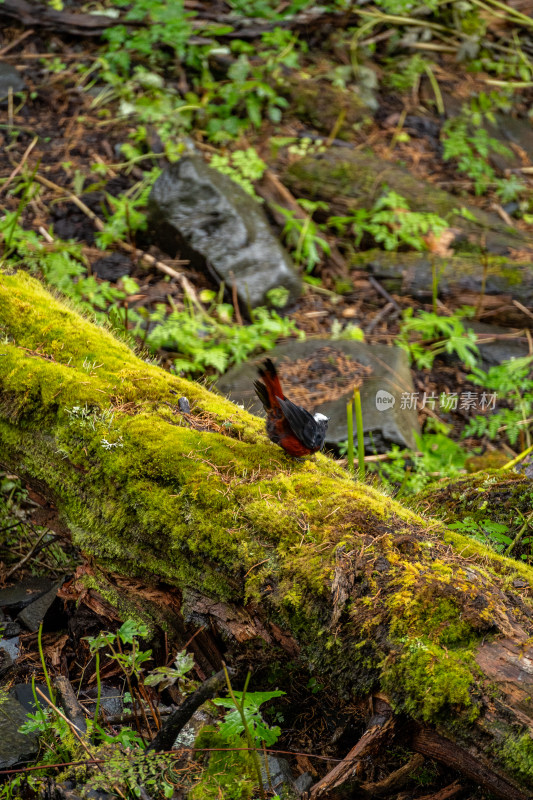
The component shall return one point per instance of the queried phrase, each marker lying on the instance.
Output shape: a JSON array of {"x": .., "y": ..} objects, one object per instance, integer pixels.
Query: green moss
[
  {"x": 517, "y": 755},
  {"x": 228, "y": 773},
  {"x": 428, "y": 681}
]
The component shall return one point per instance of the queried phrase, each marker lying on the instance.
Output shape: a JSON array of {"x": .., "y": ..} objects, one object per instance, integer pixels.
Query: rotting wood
[
  {"x": 396, "y": 780},
  {"x": 474, "y": 766},
  {"x": 378, "y": 729},
  {"x": 452, "y": 790}
]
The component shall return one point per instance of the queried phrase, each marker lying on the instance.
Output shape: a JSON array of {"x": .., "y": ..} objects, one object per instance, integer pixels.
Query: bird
[{"x": 292, "y": 427}]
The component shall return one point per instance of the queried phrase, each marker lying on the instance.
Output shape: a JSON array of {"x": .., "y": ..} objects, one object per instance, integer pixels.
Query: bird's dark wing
[
  {"x": 303, "y": 424},
  {"x": 262, "y": 393}
]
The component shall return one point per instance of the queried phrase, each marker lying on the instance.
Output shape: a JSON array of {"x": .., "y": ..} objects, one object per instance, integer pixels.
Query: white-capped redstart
[{"x": 297, "y": 431}]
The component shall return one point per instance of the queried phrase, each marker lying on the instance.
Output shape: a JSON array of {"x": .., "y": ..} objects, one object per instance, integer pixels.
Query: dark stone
[
  {"x": 23, "y": 694},
  {"x": 32, "y": 615},
  {"x": 303, "y": 783},
  {"x": 502, "y": 349},
  {"x": 15, "y": 748},
  {"x": 184, "y": 405},
  {"x": 22, "y": 594},
  {"x": 6, "y": 661},
  {"x": 210, "y": 220},
  {"x": 390, "y": 377},
  {"x": 112, "y": 267},
  {"x": 9, "y": 79},
  {"x": 279, "y": 772},
  {"x": 461, "y": 278}
]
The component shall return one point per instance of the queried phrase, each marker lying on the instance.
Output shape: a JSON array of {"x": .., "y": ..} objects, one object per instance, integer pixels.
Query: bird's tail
[{"x": 270, "y": 389}]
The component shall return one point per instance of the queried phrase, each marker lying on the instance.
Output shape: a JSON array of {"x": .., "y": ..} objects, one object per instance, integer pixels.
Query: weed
[
  {"x": 512, "y": 383},
  {"x": 205, "y": 342},
  {"x": 486, "y": 531},
  {"x": 406, "y": 473},
  {"x": 437, "y": 335},
  {"x": 302, "y": 234},
  {"x": 127, "y": 215},
  {"x": 391, "y": 223},
  {"x": 470, "y": 145},
  {"x": 243, "y": 167}
]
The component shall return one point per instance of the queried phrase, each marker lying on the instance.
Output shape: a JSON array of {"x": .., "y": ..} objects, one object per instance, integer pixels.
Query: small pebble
[{"x": 184, "y": 405}]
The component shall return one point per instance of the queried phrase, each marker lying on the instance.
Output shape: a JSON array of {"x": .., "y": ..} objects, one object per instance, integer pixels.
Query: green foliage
[
  {"x": 486, "y": 531},
  {"x": 302, "y": 235},
  {"x": 64, "y": 267},
  {"x": 406, "y": 7},
  {"x": 137, "y": 773},
  {"x": 437, "y": 335},
  {"x": 512, "y": 382},
  {"x": 404, "y": 73},
  {"x": 234, "y": 771},
  {"x": 467, "y": 142},
  {"x": 131, "y": 660},
  {"x": 163, "y": 677},
  {"x": 391, "y": 223},
  {"x": 406, "y": 473},
  {"x": 243, "y": 167},
  {"x": 163, "y": 33},
  {"x": 233, "y": 726},
  {"x": 228, "y": 771},
  {"x": 205, "y": 342},
  {"x": 127, "y": 215}
]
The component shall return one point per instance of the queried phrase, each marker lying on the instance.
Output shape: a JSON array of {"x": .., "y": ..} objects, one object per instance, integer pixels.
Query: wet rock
[
  {"x": 9, "y": 651},
  {"x": 32, "y": 615},
  {"x": 278, "y": 777},
  {"x": 384, "y": 419},
  {"x": 460, "y": 279},
  {"x": 9, "y": 79},
  {"x": 15, "y": 748},
  {"x": 22, "y": 594},
  {"x": 111, "y": 701},
  {"x": 23, "y": 694},
  {"x": 6, "y": 661},
  {"x": 505, "y": 346},
  {"x": 303, "y": 783},
  {"x": 209, "y": 219}
]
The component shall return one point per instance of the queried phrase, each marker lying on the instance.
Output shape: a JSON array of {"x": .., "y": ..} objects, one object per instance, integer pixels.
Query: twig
[
  {"x": 235, "y": 299},
  {"x": 21, "y": 163},
  {"x": 384, "y": 293},
  {"x": 522, "y": 308},
  {"x": 28, "y": 555},
  {"x": 14, "y": 43}
]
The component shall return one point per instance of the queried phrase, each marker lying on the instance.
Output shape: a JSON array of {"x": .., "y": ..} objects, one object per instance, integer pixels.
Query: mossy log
[
  {"x": 270, "y": 553},
  {"x": 494, "y": 506},
  {"x": 352, "y": 179}
]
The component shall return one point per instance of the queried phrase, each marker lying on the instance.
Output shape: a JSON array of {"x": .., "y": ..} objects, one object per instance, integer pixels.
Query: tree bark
[{"x": 269, "y": 552}]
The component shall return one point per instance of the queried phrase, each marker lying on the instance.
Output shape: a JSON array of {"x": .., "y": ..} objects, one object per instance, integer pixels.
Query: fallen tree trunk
[{"x": 265, "y": 550}]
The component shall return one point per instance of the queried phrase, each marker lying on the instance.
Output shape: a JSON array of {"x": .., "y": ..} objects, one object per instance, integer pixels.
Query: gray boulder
[{"x": 209, "y": 219}]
